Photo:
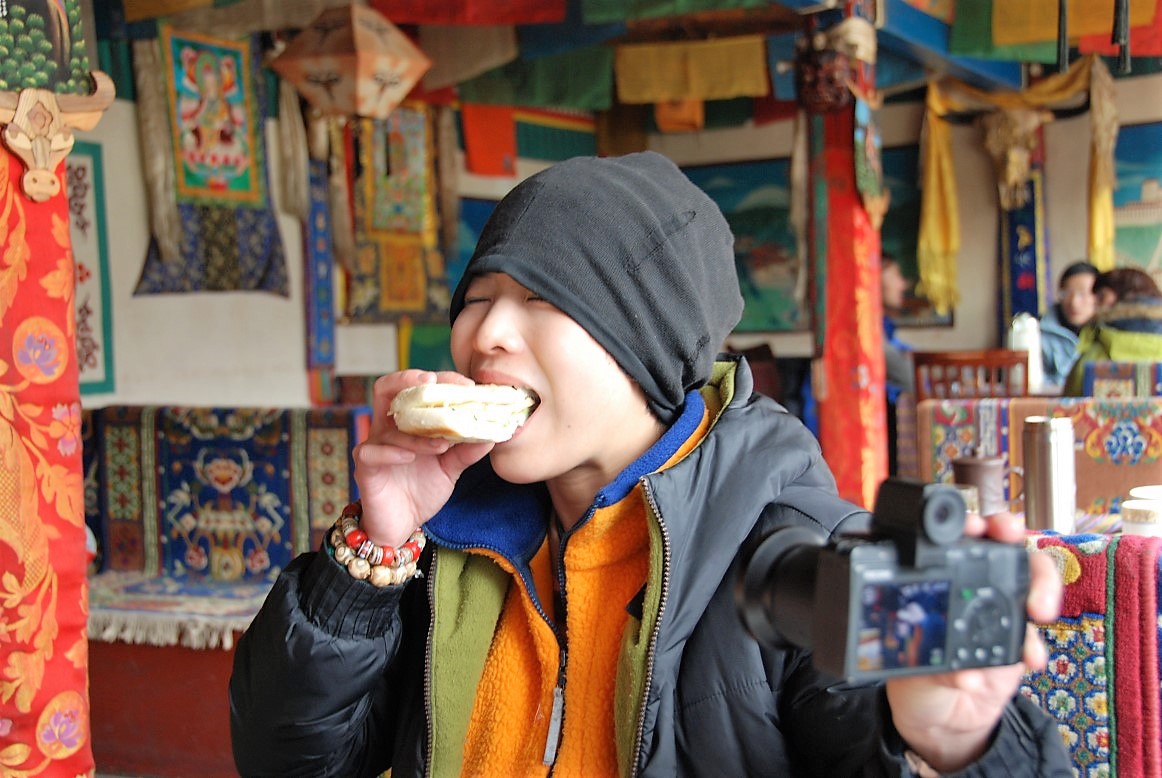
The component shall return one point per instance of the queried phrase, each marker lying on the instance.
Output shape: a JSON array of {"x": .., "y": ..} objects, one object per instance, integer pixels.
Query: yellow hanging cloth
[
  {"x": 1032, "y": 21},
  {"x": 939, "y": 239},
  {"x": 703, "y": 70}
]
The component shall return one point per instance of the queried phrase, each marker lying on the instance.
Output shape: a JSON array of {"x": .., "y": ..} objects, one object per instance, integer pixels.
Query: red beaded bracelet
[{"x": 368, "y": 561}]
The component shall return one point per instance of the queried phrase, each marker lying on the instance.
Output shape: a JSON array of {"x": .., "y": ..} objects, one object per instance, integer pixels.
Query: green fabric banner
[
  {"x": 577, "y": 79},
  {"x": 972, "y": 36},
  {"x": 606, "y": 11}
]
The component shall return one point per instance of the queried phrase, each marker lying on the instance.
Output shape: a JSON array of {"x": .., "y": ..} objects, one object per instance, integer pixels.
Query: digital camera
[{"x": 912, "y": 596}]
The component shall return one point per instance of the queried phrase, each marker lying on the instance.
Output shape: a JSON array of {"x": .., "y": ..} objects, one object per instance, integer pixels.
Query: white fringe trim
[{"x": 159, "y": 629}]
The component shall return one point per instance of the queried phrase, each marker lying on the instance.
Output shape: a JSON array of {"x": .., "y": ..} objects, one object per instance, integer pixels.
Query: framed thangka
[
  {"x": 900, "y": 232},
  {"x": 1138, "y": 197},
  {"x": 213, "y": 119},
  {"x": 85, "y": 185},
  {"x": 756, "y": 200},
  {"x": 399, "y": 269}
]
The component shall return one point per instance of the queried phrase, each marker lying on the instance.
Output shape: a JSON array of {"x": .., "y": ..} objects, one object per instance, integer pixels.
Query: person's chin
[{"x": 516, "y": 466}]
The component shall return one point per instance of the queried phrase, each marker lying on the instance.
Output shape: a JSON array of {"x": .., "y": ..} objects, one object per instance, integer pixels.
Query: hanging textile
[
  {"x": 1024, "y": 250},
  {"x": 680, "y": 115},
  {"x": 577, "y": 79},
  {"x": 939, "y": 239},
  {"x": 971, "y": 35},
  {"x": 398, "y": 269},
  {"x": 243, "y": 17},
  {"x": 44, "y": 705},
  {"x": 1036, "y": 20},
  {"x": 85, "y": 189},
  {"x": 318, "y": 264},
  {"x": 555, "y": 134},
  {"x": 706, "y": 70},
  {"x": 543, "y": 40},
  {"x": 209, "y": 146},
  {"x": 604, "y": 11},
  {"x": 1145, "y": 41},
  {"x": 489, "y": 139},
  {"x": 471, "y": 11},
  {"x": 459, "y": 52}
]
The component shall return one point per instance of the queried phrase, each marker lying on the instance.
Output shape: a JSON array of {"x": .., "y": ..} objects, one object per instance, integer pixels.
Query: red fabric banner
[
  {"x": 852, "y": 408},
  {"x": 471, "y": 11},
  {"x": 489, "y": 139},
  {"x": 44, "y": 703}
]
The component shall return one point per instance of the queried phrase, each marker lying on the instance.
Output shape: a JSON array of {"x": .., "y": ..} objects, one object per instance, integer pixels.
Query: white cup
[{"x": 1142, "y": 516}]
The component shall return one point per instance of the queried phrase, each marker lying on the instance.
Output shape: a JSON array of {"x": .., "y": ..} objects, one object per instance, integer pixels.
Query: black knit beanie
[{"x": 632, "y": 251}]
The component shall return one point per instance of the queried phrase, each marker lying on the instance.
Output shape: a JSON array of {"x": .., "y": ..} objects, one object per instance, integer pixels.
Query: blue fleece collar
[{"x": 485, "y": 511}]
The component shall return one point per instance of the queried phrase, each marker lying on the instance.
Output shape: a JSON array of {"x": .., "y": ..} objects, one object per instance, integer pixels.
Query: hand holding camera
[{"x": 923, "y": 601}]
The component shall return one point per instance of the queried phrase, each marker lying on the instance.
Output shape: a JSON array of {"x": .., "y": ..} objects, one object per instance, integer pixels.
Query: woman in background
[{"x": 1061, "y": 325}]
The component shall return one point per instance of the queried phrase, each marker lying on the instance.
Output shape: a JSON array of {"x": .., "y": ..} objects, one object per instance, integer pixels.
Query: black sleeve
[
  {"x": 312, "y": 675},
  {"x": 1026, "y": 742}
]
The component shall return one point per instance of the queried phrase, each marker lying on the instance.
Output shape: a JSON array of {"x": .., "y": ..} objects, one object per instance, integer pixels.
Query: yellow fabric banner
[
  {"x": 939, "y": 238},
  {"x": 1031, "y": 21},
  {"x": 702, "y": 70}
]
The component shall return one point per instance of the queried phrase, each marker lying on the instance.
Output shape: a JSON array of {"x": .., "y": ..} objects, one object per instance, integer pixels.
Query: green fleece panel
[
  {"x": 629, "y": 687},
  {"x": 469, "y": 594}
]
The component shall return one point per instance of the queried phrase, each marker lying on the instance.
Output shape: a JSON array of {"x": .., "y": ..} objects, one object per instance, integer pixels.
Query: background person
[
  {"x": 1127, "y": 326},
  {"x": 899, "y": 375},
  {"x": 577, "y": 611},
  {"x": 1060, "y": 326}
]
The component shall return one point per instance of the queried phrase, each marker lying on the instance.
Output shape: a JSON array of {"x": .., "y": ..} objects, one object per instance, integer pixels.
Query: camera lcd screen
[{"x": 903, "y": 624}]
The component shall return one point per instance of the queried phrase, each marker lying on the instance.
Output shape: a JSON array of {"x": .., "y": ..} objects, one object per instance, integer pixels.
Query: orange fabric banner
[
  {"x": 44, "y": 703},
  {"x": 704, "y": 70},
  {"x": 680, "y": 115}
]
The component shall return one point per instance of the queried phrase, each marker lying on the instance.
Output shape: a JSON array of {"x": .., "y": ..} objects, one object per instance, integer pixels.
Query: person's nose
[{"x": 499, "y": 328}]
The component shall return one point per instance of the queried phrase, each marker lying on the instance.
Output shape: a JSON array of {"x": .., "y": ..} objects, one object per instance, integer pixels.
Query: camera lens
[{"x": 943, "y": 517}]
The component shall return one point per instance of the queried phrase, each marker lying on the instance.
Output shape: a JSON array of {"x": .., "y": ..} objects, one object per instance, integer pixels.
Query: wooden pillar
[
  {"x": 44, "y": 703},
  {"x": 845, "y": 253}
]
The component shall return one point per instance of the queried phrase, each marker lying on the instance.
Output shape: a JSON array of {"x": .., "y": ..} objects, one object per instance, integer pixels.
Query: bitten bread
[{"x": 462, "y": 413}]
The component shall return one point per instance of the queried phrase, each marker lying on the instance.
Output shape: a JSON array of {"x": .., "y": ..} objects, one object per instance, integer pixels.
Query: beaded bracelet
[{"x": 367, "y": 561}]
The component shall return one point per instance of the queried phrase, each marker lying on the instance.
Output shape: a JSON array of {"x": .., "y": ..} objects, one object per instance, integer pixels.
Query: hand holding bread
[
  {"x": 461, "y": 413},
  {"x": 419, "y": 444}
]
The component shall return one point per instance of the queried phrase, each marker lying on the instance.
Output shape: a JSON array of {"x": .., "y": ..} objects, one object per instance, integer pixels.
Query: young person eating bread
[{"x": 562, "y": 602}]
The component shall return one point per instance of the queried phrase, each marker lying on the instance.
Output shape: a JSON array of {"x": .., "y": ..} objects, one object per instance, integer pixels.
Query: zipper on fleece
[
  {"x": 557, "y": 716},
  {"x": 651, "y": 652}
]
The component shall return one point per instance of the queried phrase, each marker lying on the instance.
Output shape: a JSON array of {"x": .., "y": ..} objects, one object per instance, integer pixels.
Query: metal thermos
[{"x": 1050, "y": 478}]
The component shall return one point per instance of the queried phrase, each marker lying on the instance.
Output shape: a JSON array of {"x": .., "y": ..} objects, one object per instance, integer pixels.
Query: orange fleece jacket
[{"x": 606, "y": 562}]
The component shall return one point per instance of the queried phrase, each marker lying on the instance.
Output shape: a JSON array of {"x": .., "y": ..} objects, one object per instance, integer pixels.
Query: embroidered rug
[
  {"x": 200, "y": 509},
  {"x": 162, "y": 611},
  {"x": 1102, "y": 681}
]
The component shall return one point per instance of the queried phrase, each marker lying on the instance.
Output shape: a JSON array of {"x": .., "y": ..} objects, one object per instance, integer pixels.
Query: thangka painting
[
  {"x": 222, "y": 234},
  {"x": 755, "y": 197},
  {"x": 213, "y": 119},
  {"x": 900, "y": 231},
  {"x": 84, "y": 182},
  {"x": 1138, "y": 197},
  {"x": 399, "y": 270}
]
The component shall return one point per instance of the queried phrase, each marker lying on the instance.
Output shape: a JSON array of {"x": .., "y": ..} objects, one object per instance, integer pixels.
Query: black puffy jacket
[{"x": 335, "y": 677}]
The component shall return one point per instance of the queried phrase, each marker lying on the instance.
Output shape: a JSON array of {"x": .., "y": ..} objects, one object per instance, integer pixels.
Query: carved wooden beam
[{"x": 38, "y": 127}]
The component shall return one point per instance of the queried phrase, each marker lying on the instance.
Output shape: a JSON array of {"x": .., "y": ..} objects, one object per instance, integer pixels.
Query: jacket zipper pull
[{"x": 553, "y": 740}]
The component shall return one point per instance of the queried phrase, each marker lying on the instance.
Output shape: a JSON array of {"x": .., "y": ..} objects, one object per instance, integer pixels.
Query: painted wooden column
[
  {"x": 844, "y": 248},
  {"x": 44, "y": 702}
]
